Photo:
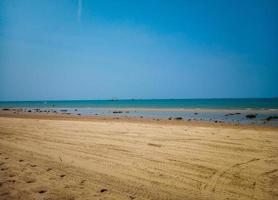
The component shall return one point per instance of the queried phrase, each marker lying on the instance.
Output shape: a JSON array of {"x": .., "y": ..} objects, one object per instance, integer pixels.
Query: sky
[{"x": 89, "y": 49}]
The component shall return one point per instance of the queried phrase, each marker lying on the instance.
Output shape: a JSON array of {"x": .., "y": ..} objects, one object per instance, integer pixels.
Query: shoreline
[
  {"x": 235, "y": 117},
  {"x": 194, "y": 123},
  {"x": 153, "y": 109}
]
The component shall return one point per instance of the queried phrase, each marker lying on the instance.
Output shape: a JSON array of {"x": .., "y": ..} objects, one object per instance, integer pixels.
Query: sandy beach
[{"x": 44, "y": 157}]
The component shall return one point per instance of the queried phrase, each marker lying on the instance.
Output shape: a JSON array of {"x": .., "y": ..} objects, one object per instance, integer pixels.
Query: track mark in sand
[
  {"x": 5, "y": 193},
  {"x": 103, "y": 190},
  {"x": 254, "y": 184},
  {"x": 117, "y": 149},
  {"x": 131, "y": 197},
  {"x": 154, "y": 145},
  {"x": 214, "y": 179},
  {"x": 238, "y": 165},
  {"x": 270, "y": 172},
  {"x": 211, "y": 179},
  {"x": 48, "y": 169}
]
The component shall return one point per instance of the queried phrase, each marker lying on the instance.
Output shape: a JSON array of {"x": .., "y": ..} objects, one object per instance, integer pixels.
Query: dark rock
[
  {"x": 170, "y": 118},
  {"x": 6, "y": 109},
  {"x": 232, "y": 114},
  {"x": 117, "y": 112},
  {"x": 251, "y": 116},
  {"x": 195, "y": 113},
  {"x": 178, "y": 118},
  {"x": 271, "y": 118},
  {"x": 63, "y": 110}
]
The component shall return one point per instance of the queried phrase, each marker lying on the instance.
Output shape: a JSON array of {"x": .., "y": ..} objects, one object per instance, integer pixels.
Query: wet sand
[
  {"x": 74, "y": 157},
  {"x": 244, "y": 116}
]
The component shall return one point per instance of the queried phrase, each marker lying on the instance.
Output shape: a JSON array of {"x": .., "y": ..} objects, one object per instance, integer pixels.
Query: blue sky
[{"x": 86, "y": 49}]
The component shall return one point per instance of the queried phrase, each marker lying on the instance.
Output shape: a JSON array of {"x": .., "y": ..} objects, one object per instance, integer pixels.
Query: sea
[
  {"x": 221, "y": 110},
  {"x": 248, "y": 103}
]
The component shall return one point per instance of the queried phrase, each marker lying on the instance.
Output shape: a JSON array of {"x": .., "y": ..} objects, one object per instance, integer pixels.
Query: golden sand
[{"x": 67, "y": 158}]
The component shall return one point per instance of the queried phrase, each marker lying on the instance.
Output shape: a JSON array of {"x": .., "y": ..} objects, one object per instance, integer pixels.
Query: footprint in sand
[
  {"x": 62, "y": 176},
  {"x": 5, "y": 193},
  {"x": 33, "y": 165},
  {"x": 20, "y": 160},
  {"x": 11, "y": 181},
  {"x": 31, "y": 180},
  {"x": 5, "y": 168},
  {"x": 42, "y": 191},
  {"x": 48, "y": 169}
]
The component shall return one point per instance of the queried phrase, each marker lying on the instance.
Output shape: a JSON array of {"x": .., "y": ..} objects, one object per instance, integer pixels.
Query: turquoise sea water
[{"x": 254, "y": 103}]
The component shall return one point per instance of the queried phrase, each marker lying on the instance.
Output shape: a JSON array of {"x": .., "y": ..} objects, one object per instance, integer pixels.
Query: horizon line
[{"x": 127, "y": 99}]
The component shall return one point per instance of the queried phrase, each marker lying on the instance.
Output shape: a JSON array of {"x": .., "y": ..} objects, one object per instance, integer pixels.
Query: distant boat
[{"x": 114, "y": 99}]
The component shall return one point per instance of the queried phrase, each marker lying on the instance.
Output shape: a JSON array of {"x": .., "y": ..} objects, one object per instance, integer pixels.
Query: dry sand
[{"x": 67, "y": 158}]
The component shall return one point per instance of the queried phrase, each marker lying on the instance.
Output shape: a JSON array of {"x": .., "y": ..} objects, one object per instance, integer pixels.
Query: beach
[
  {"x": 84, "y": 157},
  {"x": 138, "y": 100}
]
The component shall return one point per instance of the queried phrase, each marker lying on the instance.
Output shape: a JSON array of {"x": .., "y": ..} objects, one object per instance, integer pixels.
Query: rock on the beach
[
  {"x": 271, "y": 118},
  {"x": 251, "y": 116},
  {"x": 178, "y": 118},
  {"x": 115, "y": 112}
]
